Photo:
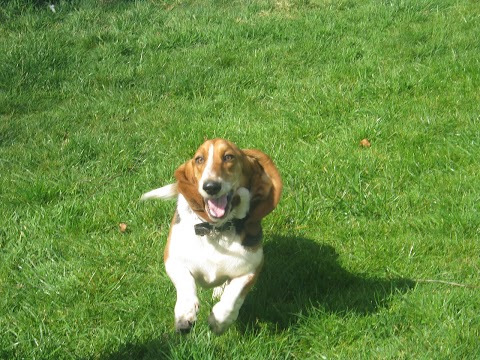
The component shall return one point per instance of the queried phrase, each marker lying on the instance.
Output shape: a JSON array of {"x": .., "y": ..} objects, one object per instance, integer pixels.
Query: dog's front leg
[
  {"x": 225, "y": 312},
  {"x": 187, "y": 304}
]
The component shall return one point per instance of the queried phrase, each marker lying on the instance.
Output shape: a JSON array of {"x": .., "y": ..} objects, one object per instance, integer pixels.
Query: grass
[{"x": 372, "y": 253}]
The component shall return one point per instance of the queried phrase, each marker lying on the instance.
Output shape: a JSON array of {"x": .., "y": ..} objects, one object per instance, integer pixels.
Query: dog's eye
[
  {"x": 228, "y": 157},
  {"x": 199, "y": 160}
]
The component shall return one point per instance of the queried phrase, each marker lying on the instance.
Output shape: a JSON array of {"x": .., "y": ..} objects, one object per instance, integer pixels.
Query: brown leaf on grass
[
  {"x": 365, "y": 143},
  {"x": 122, "y": 227}
]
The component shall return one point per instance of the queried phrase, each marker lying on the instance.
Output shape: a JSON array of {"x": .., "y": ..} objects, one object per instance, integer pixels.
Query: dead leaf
[
  {"x": 365, "y": 143},
  {"x": 123, "y": 227}
]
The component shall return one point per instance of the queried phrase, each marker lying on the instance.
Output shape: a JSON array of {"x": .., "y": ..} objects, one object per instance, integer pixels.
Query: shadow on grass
[
  {"x": 299, "y": 274},
  {"x": 154, "y": 349}
]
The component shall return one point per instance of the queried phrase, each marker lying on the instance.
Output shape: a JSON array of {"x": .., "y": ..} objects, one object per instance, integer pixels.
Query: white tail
[{"x": 166, "y": 192}]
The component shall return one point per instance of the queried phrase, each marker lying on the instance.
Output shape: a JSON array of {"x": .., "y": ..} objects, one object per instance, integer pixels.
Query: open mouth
[{"x": 218, "y": 208}]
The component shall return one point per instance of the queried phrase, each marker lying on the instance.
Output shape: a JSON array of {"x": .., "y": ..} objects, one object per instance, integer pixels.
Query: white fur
[
  {"x": 166, "y": 192},
  {"x": 241, "y": 210},
  {"x": 207, "y": 170},
  {"x": 209, "y": 261}
]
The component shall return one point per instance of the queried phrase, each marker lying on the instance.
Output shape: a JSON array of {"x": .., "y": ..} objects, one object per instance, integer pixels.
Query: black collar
[{"x": 206, "y": 229}]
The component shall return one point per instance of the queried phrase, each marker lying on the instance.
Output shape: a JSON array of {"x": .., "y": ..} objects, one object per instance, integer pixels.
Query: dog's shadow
[{"x": 300, "y": 274}]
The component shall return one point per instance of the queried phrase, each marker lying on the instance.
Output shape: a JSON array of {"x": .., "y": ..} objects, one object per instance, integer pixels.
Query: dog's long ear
[
  {"x": 265, "y": 184},
  {"x": 265, "y": 190},
  {"x": 187, "y": 185}
]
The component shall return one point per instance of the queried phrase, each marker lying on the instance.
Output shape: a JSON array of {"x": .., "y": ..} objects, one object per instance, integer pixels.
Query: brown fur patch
[{"x": 175, "y": 220}]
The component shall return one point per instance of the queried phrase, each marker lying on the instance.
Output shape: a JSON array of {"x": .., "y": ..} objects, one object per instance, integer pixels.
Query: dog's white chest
[{"x": 211, "y": 259}]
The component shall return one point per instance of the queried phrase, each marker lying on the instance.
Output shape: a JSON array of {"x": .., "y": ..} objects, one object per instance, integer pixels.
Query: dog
[{"x": 215, "y": 237}]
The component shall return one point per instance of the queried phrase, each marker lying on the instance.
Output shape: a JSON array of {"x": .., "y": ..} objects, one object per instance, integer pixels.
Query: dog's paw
[
  {"x": 216, "y": 326},
  {"x": 220, "y": 319},
  {"x": 186, "y": 315}
]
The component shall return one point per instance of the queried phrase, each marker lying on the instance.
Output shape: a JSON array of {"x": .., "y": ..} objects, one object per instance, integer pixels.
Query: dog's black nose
[{"x": 211, "y": 187}]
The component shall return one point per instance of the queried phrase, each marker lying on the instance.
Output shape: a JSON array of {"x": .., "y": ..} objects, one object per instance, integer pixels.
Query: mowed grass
[{"x": 373, "y": 252}]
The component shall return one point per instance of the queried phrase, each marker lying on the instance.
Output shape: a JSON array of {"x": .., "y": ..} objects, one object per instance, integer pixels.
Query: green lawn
[{"x": 373, "y": 253}]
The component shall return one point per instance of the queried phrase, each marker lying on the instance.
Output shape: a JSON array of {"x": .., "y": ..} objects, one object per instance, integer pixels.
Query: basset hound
[{"x": 215, "y": 236}]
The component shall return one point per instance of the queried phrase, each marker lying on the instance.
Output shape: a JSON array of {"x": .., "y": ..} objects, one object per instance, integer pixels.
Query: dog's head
[{"x": 210, "y": 180}]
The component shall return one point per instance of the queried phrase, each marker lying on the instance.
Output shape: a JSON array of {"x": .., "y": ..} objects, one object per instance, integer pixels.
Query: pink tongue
[{"x": 217, "y": 206}]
